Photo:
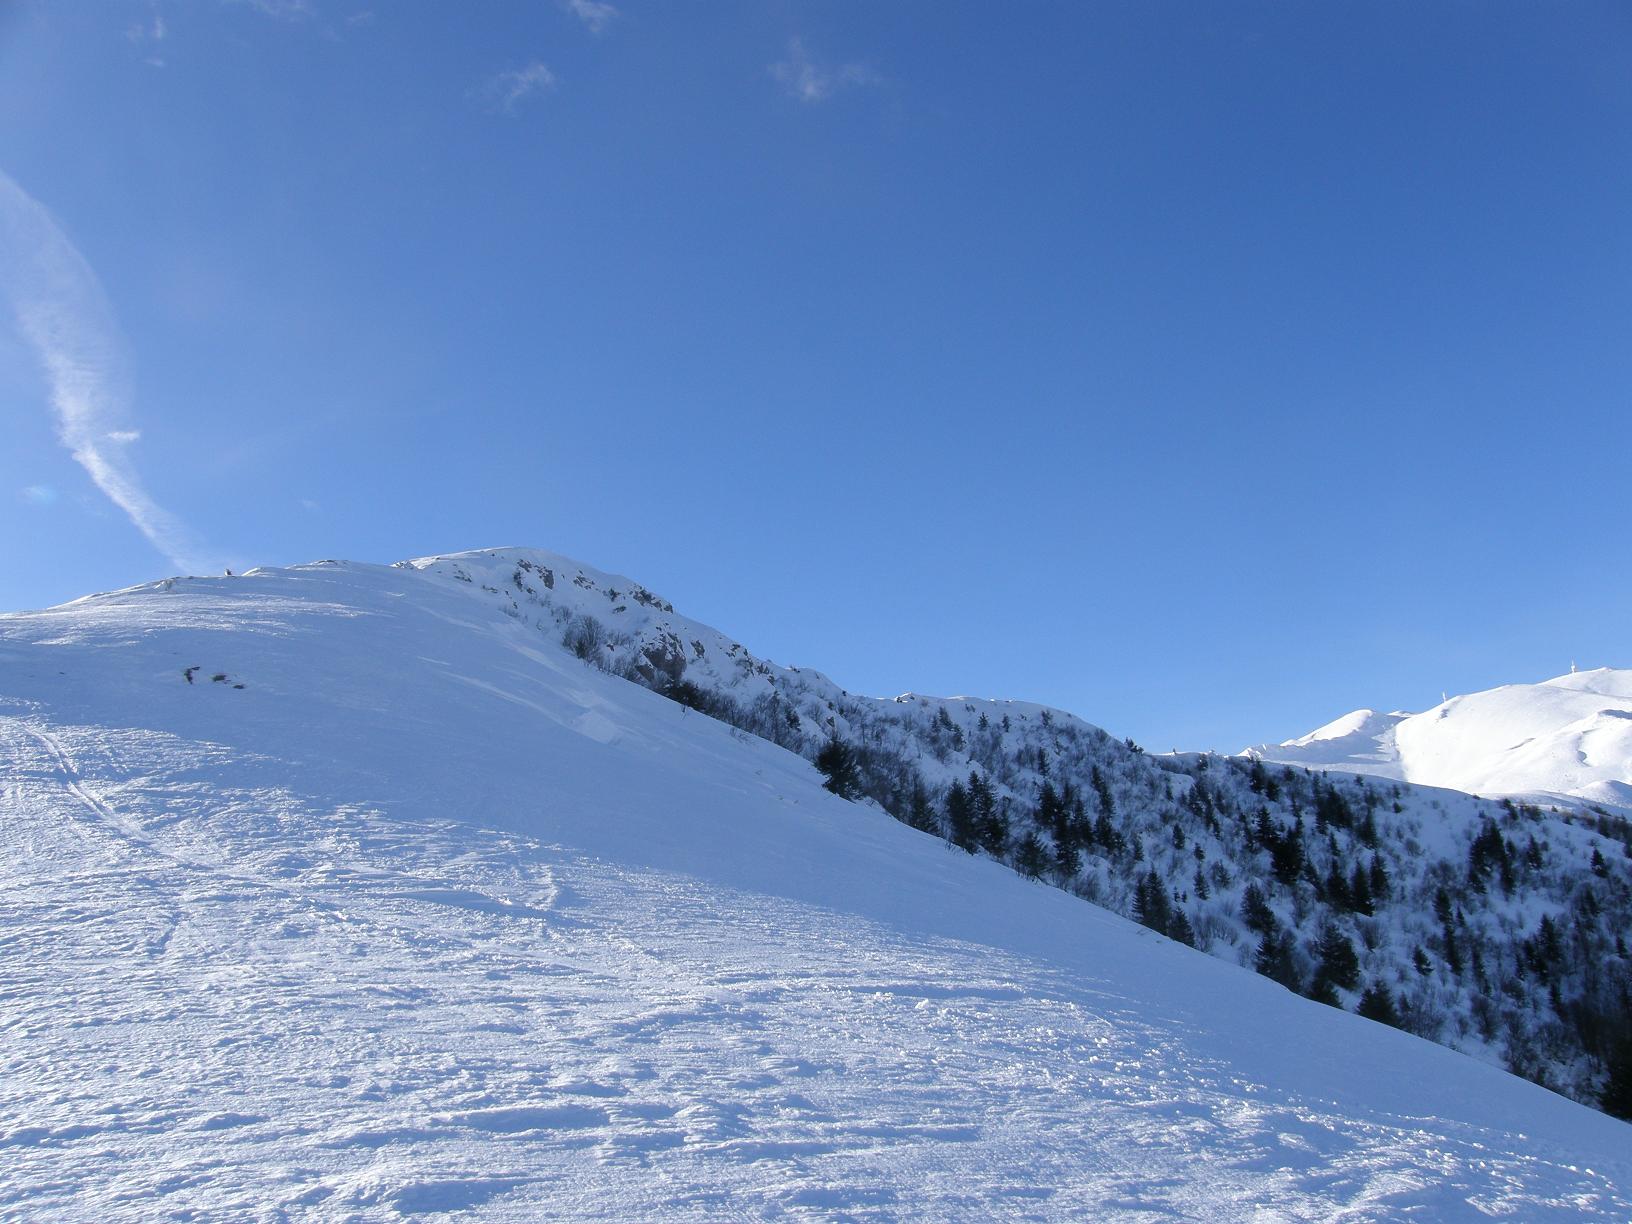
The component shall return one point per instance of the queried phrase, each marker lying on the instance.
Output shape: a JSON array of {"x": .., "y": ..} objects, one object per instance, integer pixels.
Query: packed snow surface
[
  {"x": 334, "y": 893},
  {"x": 1567, "y": 740}
]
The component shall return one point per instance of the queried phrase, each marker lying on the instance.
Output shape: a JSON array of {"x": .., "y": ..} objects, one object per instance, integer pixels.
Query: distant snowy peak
[
  {"x": 1568, "y": 739},
  {"x": 1361, "y": 742}
]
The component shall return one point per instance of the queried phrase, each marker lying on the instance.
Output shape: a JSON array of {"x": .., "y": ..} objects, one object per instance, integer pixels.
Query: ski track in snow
[{"x": 409, "y": 1018}]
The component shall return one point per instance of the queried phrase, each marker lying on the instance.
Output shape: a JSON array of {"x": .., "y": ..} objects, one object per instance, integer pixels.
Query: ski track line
[{"x": 129, "y": 834}]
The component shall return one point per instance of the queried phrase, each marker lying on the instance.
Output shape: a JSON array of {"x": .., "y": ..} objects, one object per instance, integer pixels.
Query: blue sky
[{"x": 1206, "y": 369}]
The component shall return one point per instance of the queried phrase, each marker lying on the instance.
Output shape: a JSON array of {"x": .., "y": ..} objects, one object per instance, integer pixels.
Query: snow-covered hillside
[
  {"x": 1382, "y": 905},
  {"x": 1565, "y": 740},
  {"x": 344, "y": 892}
]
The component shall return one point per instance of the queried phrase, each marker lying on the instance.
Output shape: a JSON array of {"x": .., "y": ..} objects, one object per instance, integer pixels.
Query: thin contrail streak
[{"x": 65, "y": 317}]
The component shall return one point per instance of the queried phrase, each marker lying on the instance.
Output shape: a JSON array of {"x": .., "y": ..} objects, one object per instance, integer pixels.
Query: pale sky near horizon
[{"x": 1205, "y": 369}]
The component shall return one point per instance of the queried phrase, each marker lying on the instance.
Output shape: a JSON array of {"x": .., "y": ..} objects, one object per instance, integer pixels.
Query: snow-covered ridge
[
  {"x": 1170, "y": 840},
  {"x": 1565, "y": 740},
  {"x": 625, "y": 627}
]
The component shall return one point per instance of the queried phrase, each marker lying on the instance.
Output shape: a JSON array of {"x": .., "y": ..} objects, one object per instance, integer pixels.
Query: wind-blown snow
[
  {"x": 1565, "y": 740},
  {"x": 428, "y": 915}
]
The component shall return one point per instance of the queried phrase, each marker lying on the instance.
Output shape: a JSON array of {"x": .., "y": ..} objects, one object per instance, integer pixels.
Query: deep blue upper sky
[{"x": 1208, "y": 370}]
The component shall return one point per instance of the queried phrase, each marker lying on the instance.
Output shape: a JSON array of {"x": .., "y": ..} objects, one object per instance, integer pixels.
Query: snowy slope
[
  {"x": 1475, "y": 968},
  {"x": 411, "y": 910},
  {"x": 1566, "y": 740}
]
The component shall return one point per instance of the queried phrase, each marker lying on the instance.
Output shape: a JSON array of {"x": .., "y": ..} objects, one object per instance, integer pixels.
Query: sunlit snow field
[{"x": 429, "y": 915}]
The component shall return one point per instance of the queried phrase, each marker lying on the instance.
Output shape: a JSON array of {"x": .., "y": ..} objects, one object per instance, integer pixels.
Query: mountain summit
[{"x": 1567, "y": 740}]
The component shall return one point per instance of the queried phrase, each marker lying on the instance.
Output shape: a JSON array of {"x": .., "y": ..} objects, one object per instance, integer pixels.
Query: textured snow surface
[
  {"x": 1568, "y": 739},
  {"x": 429, "y": 916}
]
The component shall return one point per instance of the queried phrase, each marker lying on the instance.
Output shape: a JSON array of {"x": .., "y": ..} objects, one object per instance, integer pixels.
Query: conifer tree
[
  {"x": 1054, "y": 814},
  {"x": 1255, "y": 911},
  {"x": 1368, "y": 829},
  {"x": 1338, "y": 963},
  {"x": 1377, "y": 1003},
  {"x": 1067, "y": 858},
  {"x": 1360, "y": 891},
  {"x": 1030, "y": 857},
  {"x": 1616, "y": 1099},
  {"x": 1102, "y": 790},
  {"x": 1379, "y": 881},
  {"x": 991, "y": 821},
  {"x": 1337, "y": 888},
  {"x": 919, "y": 813},
  {"x": 960, "y": 817},
  {"x": 1286, "y": 854},
  {"x": 1331, "y": 808},
  {"x": 1274, "y": 960},
  {"x": 1106, "y": 836},
  {"x": 837, "y": 761},
  {"x": 1452, "y": 952},
  {"x": 1322, "y": 991},
  {"x": 1150, "y": 905}
]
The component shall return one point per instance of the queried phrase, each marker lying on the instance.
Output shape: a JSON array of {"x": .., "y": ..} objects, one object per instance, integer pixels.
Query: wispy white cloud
[
  {"x": 507, "y": 90},
  {"x": 65, "y": 317},
  {"x": 284, "y": 10},
  {"x": 146, "y": 36},
  {"x": 809, "y": 81},
  {"x": 595, "y": 14},
  {"x": 148, "y": 31},
  {"x": 38, "y": 495}
]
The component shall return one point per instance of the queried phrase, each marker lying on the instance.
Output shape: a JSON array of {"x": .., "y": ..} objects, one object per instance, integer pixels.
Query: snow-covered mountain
[
  {"x": 355, "y": 892},
  {"x": 1217, "y": 854},
  {"x": 1566, "y": 740}
]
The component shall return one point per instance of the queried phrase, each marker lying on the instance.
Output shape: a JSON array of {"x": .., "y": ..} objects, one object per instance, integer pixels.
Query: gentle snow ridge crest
[{"x": 1567, "y": 740}]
